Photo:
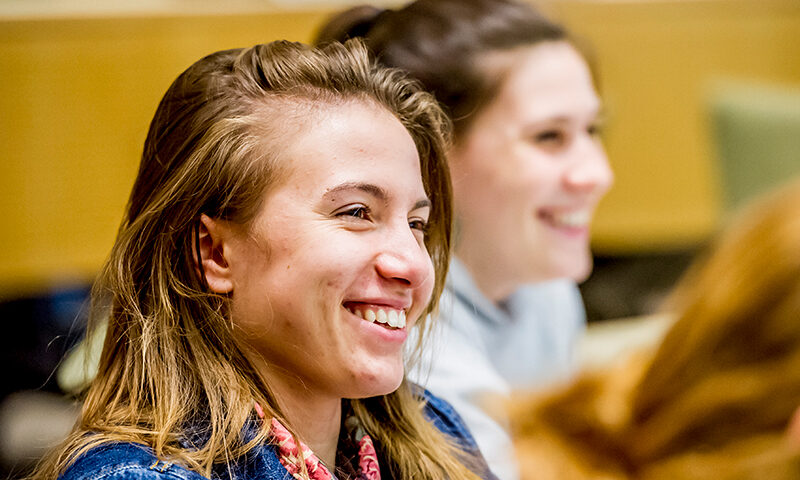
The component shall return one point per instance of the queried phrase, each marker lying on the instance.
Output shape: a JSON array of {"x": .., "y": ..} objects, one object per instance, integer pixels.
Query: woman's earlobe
[{"x": 211, "y": 243}]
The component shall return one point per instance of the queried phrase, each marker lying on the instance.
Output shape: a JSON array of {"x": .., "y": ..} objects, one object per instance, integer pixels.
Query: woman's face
[
  {"x": 337, "y": 251},
  {"x": 529, "y": 172}
]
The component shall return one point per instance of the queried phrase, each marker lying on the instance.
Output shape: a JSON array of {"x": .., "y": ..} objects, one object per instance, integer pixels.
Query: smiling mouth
[
  {"x": 387, "y": 317},
  {"x": 574, "y": 219}
]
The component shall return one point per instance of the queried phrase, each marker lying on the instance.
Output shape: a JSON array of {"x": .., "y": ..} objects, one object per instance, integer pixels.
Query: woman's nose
[
  {"x": 404, "y": 259},
  {"x": 589, "y": 170}
]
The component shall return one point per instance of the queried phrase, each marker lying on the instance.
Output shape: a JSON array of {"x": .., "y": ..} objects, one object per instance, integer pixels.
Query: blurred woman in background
[
  {"x": 528, "y": 169},
  {"x": 715, "y": 399},
  {"x": 289, "y": 225}
]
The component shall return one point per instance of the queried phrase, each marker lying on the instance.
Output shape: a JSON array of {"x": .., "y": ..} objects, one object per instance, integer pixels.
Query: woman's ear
[{"x": 213, "y": 238}]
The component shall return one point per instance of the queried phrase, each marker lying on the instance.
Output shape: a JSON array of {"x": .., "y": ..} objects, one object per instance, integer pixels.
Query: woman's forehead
[
  {"x": 549, "y": 79},
  {"x": 354, "y": 142}
]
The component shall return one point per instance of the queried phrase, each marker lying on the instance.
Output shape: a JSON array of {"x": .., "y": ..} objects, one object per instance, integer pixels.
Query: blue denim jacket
[{"x": 130, "y": 461}]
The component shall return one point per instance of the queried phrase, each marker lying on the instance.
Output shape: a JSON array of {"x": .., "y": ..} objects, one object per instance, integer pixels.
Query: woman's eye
[
  {"x": 549, "y": 138},
  {"x": 418, "y": 224},
  {"x": 358, "y": 211},
  {"x": 595, "y": 129}
]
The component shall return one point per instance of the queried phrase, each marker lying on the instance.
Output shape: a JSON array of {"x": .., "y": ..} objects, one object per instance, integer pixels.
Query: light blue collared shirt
[{"x": 481, "y": 351}]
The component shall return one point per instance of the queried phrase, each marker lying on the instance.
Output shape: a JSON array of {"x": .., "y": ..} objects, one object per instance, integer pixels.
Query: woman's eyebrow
[
  {"x": 369, "y": 188},
  {"x": 374, "y": 190},
  {"x": 425, "y": 202}
]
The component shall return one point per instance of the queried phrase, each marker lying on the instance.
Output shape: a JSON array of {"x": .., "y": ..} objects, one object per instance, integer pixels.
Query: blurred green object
[
  {"x": 80, "y": 366},
  {"x": 757, "y": 133}
]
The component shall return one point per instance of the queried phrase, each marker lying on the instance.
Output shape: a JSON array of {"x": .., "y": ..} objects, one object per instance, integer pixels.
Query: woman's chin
[
  {"x": 582, "y": 273},
  {"x": 575, "y": 266},
  {"x": 371, "y": 385}
]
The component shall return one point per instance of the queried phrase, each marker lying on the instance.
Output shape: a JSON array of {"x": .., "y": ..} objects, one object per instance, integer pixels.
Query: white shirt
[{"x": 481, "y": 351}]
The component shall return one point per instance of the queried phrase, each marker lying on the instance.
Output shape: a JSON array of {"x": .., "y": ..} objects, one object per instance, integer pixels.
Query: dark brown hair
[{"x": 440, "y": 42}]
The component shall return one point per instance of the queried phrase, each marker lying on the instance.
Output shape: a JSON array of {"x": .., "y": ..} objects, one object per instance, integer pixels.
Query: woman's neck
[
  {"x": 318, "y": 427},
  {"x": 315, "y": 418},
  {"x": 493, "y": 282}
]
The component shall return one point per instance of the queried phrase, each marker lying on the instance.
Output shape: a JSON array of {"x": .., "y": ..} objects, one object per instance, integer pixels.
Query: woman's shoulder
[
  {"x": 446, "y": 419},
  {"x": 449, "y": 422},
  {"x": 128, "y": 461}
]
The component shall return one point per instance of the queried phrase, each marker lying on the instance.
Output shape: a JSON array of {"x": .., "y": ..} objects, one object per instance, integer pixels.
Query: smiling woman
[
  {"x": 289, "y": 225},
  {"x": 342, "y": 232}
]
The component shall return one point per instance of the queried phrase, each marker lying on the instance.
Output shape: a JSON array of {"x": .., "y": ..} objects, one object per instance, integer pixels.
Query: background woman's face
[
  {"x": 337, "y": 247},
  {"x": 530, "y": 170}
]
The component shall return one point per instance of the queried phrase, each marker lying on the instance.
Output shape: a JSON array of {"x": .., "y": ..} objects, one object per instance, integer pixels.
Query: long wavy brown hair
[
  {"x": 715, "y": 398},
  {"x": 170, "y": 358}
]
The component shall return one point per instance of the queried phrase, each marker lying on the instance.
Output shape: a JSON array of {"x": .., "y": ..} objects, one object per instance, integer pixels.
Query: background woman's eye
[
  {"x": 549, "y": 137},
  {"x": 595, "y": 129}
]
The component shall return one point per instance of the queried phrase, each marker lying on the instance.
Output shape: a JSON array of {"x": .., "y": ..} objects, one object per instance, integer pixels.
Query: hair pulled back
[{"x": 440, "y": 43}]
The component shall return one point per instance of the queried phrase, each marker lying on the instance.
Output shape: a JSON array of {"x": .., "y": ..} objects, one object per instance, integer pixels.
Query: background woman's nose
[{"x": 589, "y": 171}]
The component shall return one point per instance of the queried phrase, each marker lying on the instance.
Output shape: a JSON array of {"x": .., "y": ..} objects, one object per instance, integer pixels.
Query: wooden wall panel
[
  {"x": 76, "y": 99},
  {"x": 77, "y": 94}
]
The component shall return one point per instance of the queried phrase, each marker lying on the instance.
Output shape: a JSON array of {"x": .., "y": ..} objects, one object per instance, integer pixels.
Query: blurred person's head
[
  {"x": 285, "y": 195},
  {"x": 527, "y": 164},
  {"x": 717, "y": 396}
]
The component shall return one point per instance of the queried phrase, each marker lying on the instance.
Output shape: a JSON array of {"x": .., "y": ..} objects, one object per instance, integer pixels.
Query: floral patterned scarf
[{"x": 290, "y": 456}]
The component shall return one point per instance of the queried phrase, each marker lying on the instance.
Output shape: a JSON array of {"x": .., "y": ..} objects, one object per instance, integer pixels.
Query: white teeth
[
  {"x": 392, "y": 320},
  {"x": 575, "y": 219}
]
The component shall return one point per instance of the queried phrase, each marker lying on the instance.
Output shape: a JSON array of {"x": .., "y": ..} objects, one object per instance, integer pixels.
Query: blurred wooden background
[{"x": 79, "y": 87}]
